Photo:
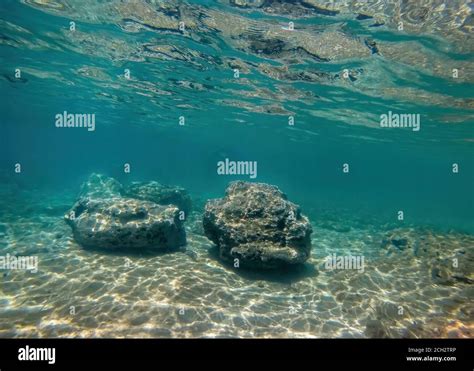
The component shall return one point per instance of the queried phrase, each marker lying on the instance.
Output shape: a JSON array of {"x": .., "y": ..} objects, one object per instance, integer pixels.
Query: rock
[
  {"x": 399, "y": 239},
  {"x": 100, "y": 186},
  {"x": 124, "y": 223},
  {"x": 192, "y": 254},
  {"x": 105, "y": 217},
  {"x": 445, "y": 272},
  {"x": 160, "y": 194},
  {"x": 441, "y": 276},
  {"x": 256, "y": 224}
]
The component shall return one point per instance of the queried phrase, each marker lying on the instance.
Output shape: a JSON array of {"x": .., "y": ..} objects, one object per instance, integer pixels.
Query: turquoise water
[{"x": 282, "y": 74}]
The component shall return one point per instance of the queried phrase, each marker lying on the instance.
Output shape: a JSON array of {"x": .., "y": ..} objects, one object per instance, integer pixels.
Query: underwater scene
[{"x": 237, "y": 169}]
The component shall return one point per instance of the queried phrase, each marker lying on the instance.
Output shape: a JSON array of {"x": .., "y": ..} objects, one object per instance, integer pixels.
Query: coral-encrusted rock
[
  {"x": 256, "y": 224},
  {"x": 100, "y": 186},
  {"x": 124, "y": 223},
  {"x": 160, "y": 194}
]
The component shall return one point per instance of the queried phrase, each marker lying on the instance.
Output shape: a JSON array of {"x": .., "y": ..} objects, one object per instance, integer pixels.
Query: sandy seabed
[{"x": 409, "y": 287}]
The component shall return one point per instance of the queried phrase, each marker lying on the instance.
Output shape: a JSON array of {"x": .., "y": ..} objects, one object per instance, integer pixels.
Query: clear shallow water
[{"x": 282, "y": 73}]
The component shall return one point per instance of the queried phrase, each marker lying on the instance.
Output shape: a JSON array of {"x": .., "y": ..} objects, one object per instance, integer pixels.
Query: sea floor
[{"x": 407, "y": 289}]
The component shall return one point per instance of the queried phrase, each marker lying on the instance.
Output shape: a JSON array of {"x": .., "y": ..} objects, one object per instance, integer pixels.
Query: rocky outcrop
[
  {"x": 100, "y": 186},
  {"x": 124, "y": 223},
  {"x": 257, "y": 225},
  {"x": 140, "y": 216},
  {"x": 160, "y": 194}
]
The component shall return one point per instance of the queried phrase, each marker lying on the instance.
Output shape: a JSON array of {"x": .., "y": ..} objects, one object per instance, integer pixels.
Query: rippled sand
[{"x": 193, "y": 294}]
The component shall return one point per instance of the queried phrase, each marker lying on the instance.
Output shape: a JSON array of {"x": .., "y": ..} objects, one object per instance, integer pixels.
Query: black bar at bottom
[{"x": 425, "y": 353}]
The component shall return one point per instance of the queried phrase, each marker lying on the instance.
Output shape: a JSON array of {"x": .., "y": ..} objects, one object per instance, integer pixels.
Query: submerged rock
[
  {"x": 160, "y": 194},
  {"x": 447, "y": 264},
  {"x": 105, "y": 216},
  {"x": 257, "y": 225},
  {"x": 125, "y": 223},
  {"x": 400, "y": 240},
  {"x": 457, "y": 269},
  {"x": 100, "y": 186}
]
